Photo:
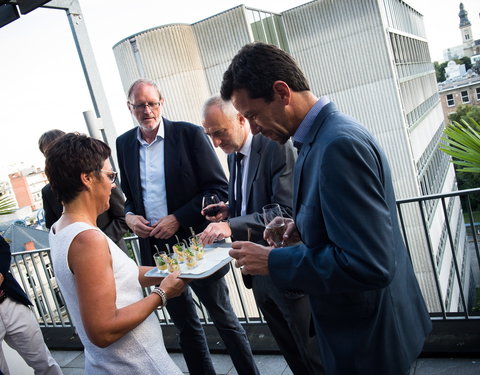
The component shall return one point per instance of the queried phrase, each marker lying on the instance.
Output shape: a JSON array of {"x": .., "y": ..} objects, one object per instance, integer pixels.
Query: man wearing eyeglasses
[{"x": 166, "y": 167}]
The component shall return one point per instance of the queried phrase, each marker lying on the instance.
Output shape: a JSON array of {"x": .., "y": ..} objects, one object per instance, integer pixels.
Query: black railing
[
  {"x": 443, "y": 249},
  {"x": 443, "y": 246}
]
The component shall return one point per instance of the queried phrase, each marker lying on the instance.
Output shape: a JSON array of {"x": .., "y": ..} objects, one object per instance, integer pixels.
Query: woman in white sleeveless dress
[{"x": 102, "y": 286}]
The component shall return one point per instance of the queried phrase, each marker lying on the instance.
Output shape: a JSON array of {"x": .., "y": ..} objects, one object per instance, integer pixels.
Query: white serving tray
[{"x": 216, "y": 256}]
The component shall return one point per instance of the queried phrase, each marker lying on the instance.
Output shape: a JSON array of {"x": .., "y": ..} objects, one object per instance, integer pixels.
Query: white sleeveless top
[{"x": 141, "y": 351}]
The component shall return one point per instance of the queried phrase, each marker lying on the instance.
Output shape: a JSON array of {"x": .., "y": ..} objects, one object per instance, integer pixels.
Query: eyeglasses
[
  {"x": 112, "y": 175},
  {"x": 151, "y": 106}
]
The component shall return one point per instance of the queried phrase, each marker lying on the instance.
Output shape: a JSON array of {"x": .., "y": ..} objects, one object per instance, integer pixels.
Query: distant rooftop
[{"x": 17, "y": 235}]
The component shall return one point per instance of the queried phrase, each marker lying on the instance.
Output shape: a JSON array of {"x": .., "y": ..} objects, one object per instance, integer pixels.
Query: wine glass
[
  {"x": 274, "y": 223},
  {"x": 213, "y": 201}
]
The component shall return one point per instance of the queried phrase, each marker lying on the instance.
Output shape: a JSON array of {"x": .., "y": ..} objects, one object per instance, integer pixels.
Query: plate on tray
[{"x": 216, "y": 256}]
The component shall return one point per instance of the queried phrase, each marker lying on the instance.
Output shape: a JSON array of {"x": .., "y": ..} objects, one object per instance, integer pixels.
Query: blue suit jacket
[
  {"x": 367, "y": 305},
  {"x": 192, "y": 169}
]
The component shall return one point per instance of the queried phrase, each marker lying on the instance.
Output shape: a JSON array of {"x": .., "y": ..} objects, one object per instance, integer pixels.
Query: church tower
[{"x": 466, "y": 30}]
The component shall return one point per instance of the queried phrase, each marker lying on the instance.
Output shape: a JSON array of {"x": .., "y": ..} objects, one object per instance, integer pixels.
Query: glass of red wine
[
  {"x": 210, "y": 204},
  {"x": 274, "y": 223}
]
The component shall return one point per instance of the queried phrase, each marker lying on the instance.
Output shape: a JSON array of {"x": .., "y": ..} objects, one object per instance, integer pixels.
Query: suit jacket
[
  {"x": 10, "y": 285},
  {"x": 366, "y": 302},
  {"x": 111, "y": 222},
  {"x": 269, "y": 180},
  {"x": 192, "y": 169}
]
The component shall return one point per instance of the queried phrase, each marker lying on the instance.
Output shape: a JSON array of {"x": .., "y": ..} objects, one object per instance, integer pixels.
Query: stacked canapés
[{"x": 183, "y": 252}]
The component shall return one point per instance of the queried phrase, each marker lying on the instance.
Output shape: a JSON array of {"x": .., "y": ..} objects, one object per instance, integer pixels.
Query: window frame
[{"x": 450, "y": 101}]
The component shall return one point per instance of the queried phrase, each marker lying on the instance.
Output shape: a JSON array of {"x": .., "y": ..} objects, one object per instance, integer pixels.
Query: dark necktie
[
  {"x": 297, "y": 145},
  {"x": 238, "y": 183}
]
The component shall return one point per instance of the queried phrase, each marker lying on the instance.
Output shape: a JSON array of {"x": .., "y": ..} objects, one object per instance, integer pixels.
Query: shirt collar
[
  {"x": 160, "y": 134},
  {"x": 247, "y": 146},
  {"x": 306, "y": 124}
]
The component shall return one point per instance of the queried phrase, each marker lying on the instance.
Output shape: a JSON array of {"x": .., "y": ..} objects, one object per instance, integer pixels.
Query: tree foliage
[
  {"x": 464, "y": 60},
  {"x": 440, "y": 70},
  {"x": 465, "y": 112},
  {"x": 440, "y": 67},
  {"x": 469, "y": 181},
  {"x": 462, "y": 142},
  {"x": 466, "y": 180}
]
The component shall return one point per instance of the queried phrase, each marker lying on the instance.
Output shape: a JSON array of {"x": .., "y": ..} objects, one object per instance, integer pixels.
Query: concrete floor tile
[
  {"x": 270, "y": 364},
  {"x": 63, "y": 357},
  {"x": 223, "y": 364},
  {"x": 447, "y": 366},
  {"x": 72, "y": 363},
  {"x": 287, "y": 371},
  {"x": 179, "y": 361},
  {"x": 78, "y": 362},
  {"x": 72, "y": 371}
]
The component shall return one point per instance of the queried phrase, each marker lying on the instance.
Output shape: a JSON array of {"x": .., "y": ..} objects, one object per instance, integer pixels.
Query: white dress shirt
[{"x": 152, "y": 175}]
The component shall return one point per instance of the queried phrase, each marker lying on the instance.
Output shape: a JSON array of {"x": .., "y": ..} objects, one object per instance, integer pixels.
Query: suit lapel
[
  {"x": 307, "y": 145},
  {"x": 231, "y": 192},
  {"x": 296, "y": 176},
  {"x": 170, "y": 161},
  {"x": 255, "y": 156},
  {"x": 132, "y": 162}
]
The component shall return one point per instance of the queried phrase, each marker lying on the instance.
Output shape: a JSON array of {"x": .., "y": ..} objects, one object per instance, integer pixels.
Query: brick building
[{"x": 27, "y": 187}]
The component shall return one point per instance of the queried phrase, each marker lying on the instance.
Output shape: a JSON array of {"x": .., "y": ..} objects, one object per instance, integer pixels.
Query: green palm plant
[
  {"x": 462, "y": 142},
  {"x": 7, "y": 205}
]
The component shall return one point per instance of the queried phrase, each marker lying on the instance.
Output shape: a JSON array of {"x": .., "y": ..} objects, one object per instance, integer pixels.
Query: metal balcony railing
[{"x": 443, "y": 248}]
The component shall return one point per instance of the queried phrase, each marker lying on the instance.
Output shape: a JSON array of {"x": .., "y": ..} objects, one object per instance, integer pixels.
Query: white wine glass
[{"x": 274, "y": 223}]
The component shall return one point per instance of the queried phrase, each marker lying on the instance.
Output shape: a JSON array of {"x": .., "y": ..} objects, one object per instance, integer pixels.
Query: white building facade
[{"x": 370, "y": 57}]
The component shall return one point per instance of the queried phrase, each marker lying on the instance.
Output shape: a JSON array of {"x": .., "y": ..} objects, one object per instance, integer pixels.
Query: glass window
[
  {"x": 465, "y": 98},
  {"x": 450, "y": 100},
  {"x": 477, "y": 92}
]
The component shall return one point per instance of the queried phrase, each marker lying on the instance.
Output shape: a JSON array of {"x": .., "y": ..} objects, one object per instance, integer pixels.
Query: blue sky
[{"x": 42, "y": 84}]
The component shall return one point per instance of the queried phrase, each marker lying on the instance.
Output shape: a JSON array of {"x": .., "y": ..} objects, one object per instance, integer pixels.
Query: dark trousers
[
  {"x": 214, "y": 295},
  {"x": 289, "y": 319}
]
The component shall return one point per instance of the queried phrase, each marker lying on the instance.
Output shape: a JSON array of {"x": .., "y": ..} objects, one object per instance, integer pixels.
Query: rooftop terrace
[{"x": 452, "y": 348}]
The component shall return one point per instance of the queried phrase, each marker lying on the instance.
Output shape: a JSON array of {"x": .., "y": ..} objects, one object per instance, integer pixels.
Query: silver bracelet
[{"x": 159, "y": 291}]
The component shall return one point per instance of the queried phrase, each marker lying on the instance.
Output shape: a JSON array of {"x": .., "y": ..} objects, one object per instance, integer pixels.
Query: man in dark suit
[
  {"x": 266, "y": 176},
  {"x": 166, "y": 168},
  {"x": 368, "y": 309},
  {"x": 18, "y": 325},
  {"x": 111, "y": 222}
]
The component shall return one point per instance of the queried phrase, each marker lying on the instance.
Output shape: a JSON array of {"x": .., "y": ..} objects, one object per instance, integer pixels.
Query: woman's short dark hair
[
  {"x": 47, "y": 138},
  {"x": 256, "y": 67},
  {"x": 69, "y": 157}
]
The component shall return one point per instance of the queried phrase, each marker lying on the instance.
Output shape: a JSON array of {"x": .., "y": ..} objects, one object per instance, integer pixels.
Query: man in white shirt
[{"x": 166, "y": 167}]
